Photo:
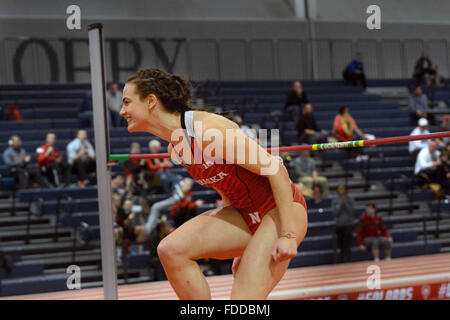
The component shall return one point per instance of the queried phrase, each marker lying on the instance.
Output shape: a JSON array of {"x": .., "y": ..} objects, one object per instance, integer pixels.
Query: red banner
[{"x": 431, "y": 291}]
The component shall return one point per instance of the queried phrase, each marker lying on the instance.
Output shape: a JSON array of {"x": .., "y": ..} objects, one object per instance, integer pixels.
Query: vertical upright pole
[
  {"x": 310, "y": 14},
  {"x": 101, "y": 132}
]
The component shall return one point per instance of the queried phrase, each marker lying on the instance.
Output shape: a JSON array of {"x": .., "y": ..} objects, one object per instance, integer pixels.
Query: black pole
[
  {"x": 334, "y": 245},
  {"x": 411, "y": 195},
  {"x": 58, "y": 213},
  {"x": 13, "y": 211},
  {"x": 391, "y": 195},
  {"x": 74, "y": 243},
  {"x": 366, "y": 176},
  {"x": 438, "y": 218},
  {"x": 346, "y": 169},
  {"x": 124, "y": 260},
  {"x": 27, "y": 232},
  {"x": 425, "y": 237}
]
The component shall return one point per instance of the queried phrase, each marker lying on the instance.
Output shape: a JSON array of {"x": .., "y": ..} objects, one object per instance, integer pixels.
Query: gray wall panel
[
  {"x": 412, "y": 51},
  {"x": 324, "y": 59},
  {"x": 369, "y": 51},
  {"x": 437, "y": 51},
  {"x": 291, "y": 62},
  {"x": 341, "y": 55},
  {"x": 262, "y": 60},
  {"x": 233, "y": 61},
  {"x": 204, "y": 60},
  {"x": 392, "y": 56}
]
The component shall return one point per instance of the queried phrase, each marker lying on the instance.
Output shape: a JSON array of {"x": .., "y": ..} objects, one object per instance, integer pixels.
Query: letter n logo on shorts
[{"x": 255, "y": 217}]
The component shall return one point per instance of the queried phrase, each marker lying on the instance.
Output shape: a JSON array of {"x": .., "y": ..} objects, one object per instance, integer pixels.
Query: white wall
[
  {"x": 398, "y": 11},
  {"x": 142, "y": 9}
]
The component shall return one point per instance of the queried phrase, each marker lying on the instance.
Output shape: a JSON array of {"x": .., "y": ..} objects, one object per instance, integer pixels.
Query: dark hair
[
  {"x": 341, "y": 109},
  {"x": 173, "y": 91},
  {"x": 372, "y": 205}
]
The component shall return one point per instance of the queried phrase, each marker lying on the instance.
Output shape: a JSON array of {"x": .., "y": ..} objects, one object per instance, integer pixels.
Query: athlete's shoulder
[{"x": 213, "y": 121}]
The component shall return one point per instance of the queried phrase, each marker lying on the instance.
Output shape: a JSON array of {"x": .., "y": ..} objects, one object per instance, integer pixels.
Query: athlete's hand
[{"x": 284, "y": 249}]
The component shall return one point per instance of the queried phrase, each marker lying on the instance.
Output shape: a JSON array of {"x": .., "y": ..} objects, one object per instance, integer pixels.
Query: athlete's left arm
[{"x": 250, "y": 155}]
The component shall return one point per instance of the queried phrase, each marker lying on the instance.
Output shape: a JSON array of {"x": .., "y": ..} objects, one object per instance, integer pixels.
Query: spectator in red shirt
[
  {"x": 161, "y": 166},
  {"x": 185, "y": 209},
  {"x": 134, "y": 169},
  {"x": 51, "y": 163},
  {"x": 344, "y": 126},
  {"x": 372, "y": 234}
]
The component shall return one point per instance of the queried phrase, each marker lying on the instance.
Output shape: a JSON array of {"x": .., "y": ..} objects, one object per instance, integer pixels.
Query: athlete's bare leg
[
  {"x": 257, "y": 274},
  {"x": 220, "y": 234}
]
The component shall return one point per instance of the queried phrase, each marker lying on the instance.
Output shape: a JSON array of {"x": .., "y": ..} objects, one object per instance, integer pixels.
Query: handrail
[
  {"x": 64, "y": 196},
  {"x": 77, "y": 226},
  {"x": 33, "y": 200}
]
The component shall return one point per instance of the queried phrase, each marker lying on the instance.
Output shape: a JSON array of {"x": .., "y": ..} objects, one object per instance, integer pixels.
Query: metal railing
[
  {"x": 36, "y": 207},
  {"x": 62, "y": 197}
]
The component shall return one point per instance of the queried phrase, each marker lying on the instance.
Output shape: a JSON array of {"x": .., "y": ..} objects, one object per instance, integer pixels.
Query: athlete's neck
[{"x": 163, "y": 124}]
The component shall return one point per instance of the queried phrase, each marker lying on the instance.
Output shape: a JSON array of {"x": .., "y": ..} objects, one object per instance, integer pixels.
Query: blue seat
[
  {"x": 24, "y": 269},
  {"x": 290, "y": 137},
  {"x": 35, "y": 284},
  {"x": 254, "y": 118}
]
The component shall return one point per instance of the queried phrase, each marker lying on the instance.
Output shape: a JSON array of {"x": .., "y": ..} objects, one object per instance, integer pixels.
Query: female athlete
[{"x": 263, "y": 219}]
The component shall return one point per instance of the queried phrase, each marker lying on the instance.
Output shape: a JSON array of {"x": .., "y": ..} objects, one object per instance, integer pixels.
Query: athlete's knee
[{"x": 169, "y": 250}]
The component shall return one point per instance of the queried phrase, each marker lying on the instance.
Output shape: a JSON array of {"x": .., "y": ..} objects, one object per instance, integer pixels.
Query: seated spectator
[
  {"x": 114, "y": 103},
  {"x": 135, "y": 169},
  {"x": 445, "y": 124},
  {"x": 180, "y": 191},
  {"x": 17, "y": 161},
  {"x": 443, "y": 172},
  {"x": 306, "y": 173},
  {"x": 425, "y": 72},
  {"x": 125, "y": 218},
  {"x": 85, "y": 111},
  {"x": 426, "y": 163},
  {"x": 415, "y": 146},
  {"x": 344, "y": 215},
  {"x": 354, "y": 73},
  {"x": 295, "y": 100},
  {"x": 118, "y": 184},
  {"x": 160, "y": 166},
  {"x": 418, "y": 106},
  {"x": 185, "y": 209},
  {"x": 249, "y": 132},
  {"x": 344, "y": 126},
  {"x": 51, "y": 163},
  {"x": 307, "y": 127},
  {"x": 81, "y": 156},
  {"x": 372, "y": 234}
]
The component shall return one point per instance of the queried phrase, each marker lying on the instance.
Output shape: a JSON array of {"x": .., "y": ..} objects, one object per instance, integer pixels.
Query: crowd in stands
[
  {"x": 139, "y": 219},
  {"x": 57, "y": 172},
  {"x": 431, "y": 157}
]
